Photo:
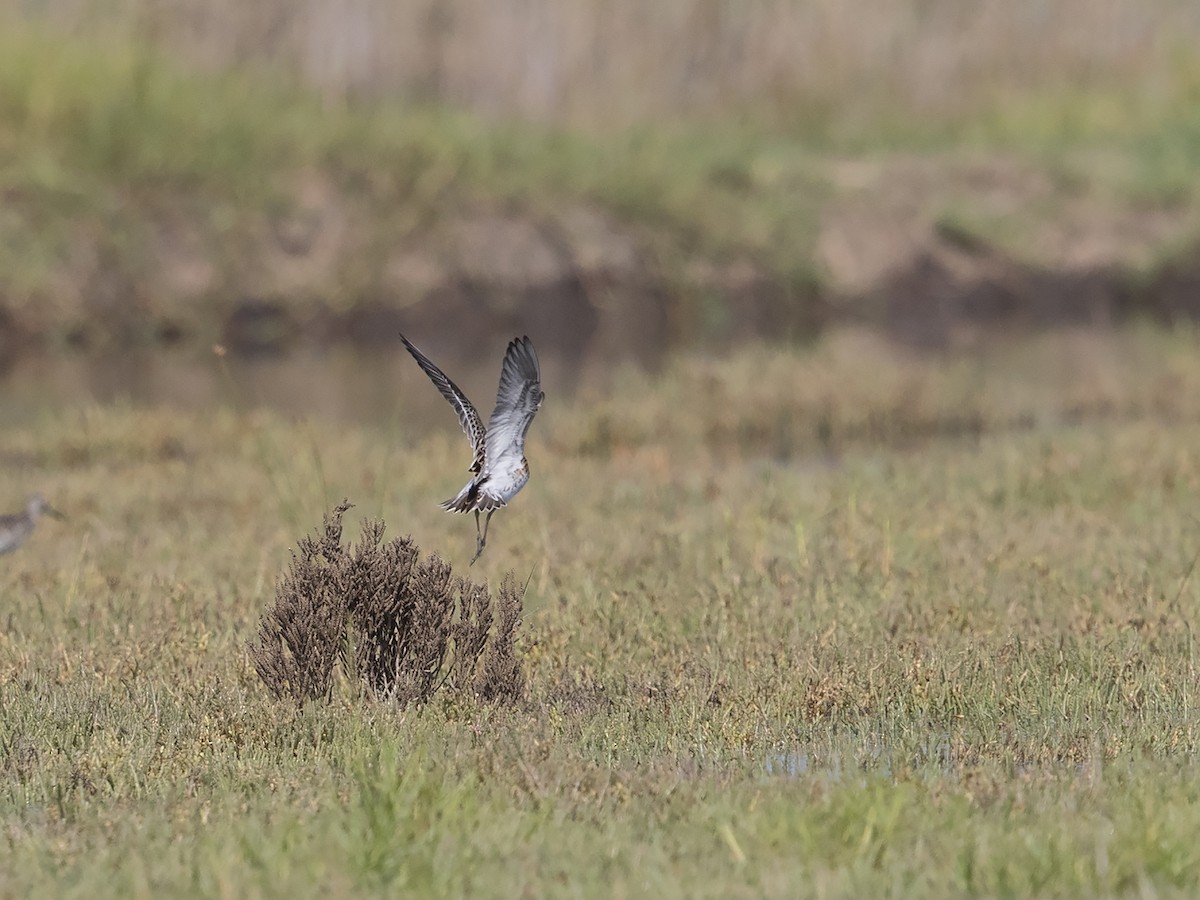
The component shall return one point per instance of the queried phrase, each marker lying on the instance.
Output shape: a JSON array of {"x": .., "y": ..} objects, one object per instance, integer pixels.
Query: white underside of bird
[{"x": 491, "y": 489}]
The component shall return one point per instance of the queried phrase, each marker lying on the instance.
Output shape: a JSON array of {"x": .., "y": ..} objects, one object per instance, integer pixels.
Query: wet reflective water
[
  {"x": 790, "y": 764},
  {"x": 342, "y": 385},
  {"x": 933, "y": 756}
]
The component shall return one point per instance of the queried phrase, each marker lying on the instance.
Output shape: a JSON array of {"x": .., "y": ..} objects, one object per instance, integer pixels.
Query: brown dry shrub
[{"x": 403, "y": 625}]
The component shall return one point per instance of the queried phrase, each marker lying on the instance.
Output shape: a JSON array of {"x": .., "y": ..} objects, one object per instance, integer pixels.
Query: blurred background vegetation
[
  {"x": 815, "y": 64},
  {"x": 627, "y": 177}
]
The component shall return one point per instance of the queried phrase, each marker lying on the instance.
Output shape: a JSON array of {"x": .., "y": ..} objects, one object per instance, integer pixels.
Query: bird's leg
[{"x": 481, "y": 539}]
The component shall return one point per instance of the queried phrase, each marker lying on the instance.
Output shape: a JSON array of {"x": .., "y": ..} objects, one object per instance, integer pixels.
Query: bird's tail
[
  {"x": 472, "y": 497},
  {"x": 465, "y": 500}
]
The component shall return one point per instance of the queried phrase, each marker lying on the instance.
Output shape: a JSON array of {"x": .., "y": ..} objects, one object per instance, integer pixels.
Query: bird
[
  {"x": 498, "y": 468},
  {"x": 15, "y": 528}
]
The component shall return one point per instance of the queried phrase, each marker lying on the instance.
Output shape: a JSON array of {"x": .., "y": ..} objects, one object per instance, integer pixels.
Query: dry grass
[
  {"x": 893, "y": 660},
  {"x": 617, "y": 64}
]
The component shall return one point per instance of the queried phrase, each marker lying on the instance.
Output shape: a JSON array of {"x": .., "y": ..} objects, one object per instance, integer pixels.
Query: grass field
[{"x": 793, "y": 628}]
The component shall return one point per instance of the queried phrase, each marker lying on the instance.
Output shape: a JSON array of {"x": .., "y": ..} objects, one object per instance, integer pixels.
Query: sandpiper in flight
[
  {"x": 15, "y": 528},
  {"x": 498, "y": 469}
]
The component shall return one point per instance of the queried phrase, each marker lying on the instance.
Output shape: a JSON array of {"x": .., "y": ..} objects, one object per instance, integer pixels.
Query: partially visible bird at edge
[
  {"x": 15, "y": 528},
  {"x": 499, "y": 468}
]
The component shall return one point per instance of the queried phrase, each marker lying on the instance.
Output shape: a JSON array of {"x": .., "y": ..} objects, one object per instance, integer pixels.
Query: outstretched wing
[
  {"x": 467, "y": 416},
  {"x": 517, "y": 400}
]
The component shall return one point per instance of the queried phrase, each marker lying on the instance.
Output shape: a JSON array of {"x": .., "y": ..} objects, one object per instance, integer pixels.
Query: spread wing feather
[
  {"x": 517, "y": 400},
  {"x": 467, "y": 416}
]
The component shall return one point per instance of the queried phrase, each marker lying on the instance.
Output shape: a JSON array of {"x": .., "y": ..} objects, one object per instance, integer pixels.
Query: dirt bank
[{"x": 326, "y": 269}]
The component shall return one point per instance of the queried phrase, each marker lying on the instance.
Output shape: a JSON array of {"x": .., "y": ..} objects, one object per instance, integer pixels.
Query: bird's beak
[{"x": 53, "y": 513}]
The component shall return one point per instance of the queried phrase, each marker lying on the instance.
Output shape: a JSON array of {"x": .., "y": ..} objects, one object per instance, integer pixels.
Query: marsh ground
[
  {"x": 833, "y": 622},
  {"x": 837, "y": 620}
]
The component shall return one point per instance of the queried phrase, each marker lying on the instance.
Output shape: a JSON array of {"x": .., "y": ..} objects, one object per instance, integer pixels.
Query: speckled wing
[
  {"x": 517, "y": 400},
  {"x": 467, "y": 416}
]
